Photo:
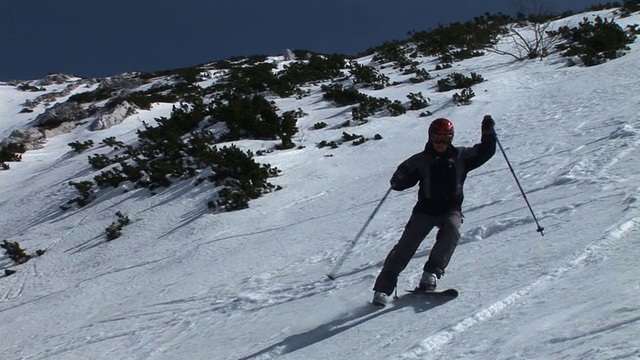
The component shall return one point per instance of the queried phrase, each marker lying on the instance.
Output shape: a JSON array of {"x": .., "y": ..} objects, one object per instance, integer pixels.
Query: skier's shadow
[{"x": 346, "y": 321}]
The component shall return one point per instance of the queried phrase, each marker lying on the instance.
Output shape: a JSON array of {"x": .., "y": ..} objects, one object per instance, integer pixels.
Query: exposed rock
[
  {"x": 115, "y": 117},
  {"x": 121, "y": 83},
  {"x": 52, "y": 96},
  {"x": 61, "y": 129},
  {"x": 54, "y": 79},
  {"x": 31, "y": 138},
  {"x": 59, "y": 113},
  {"x": 289, "y": 55}
]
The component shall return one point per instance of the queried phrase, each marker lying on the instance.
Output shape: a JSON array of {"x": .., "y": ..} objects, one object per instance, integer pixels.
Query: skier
[{"x": 440, "y": 170}]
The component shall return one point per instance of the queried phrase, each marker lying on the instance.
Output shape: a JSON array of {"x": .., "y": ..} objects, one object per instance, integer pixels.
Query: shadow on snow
[{"x": 344, "y": 322}]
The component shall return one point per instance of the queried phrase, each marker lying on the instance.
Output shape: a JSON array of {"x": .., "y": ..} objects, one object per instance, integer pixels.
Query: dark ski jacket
[{"x": 442, "y": 175}]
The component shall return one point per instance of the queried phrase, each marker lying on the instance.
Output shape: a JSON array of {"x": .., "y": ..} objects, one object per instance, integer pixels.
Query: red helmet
[{"x": 442, "y": 127}]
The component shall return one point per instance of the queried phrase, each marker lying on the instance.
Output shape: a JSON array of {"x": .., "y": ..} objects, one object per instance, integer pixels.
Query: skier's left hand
[{"x": 488, "y": 125}]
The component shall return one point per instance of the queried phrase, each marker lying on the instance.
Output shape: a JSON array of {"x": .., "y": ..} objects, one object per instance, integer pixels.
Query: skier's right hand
[
  {"x": 395, "y": 183},
  {"x": 401, "y": 178}
]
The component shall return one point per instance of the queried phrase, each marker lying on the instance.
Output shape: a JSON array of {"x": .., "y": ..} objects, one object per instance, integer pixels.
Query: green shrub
[
  {"x": 394, "y": 52},
  {"x": 421, "y": 76},
  {"x": 443, "y": 66},
  {"x": 396, "y": 108},
  {"x": 417, "y": 101},
  {"x": 112, "y": 142},
  {"x": 110, "y": 178},
  {"x": 463, "y": 54},
  {"x": 99, "y": 161},
  {"x": 317, "y": 68},
  {"x": 15, "y": 252},
  {"x": 250, "y": 79},
  {"x": 458, "y": 81},
  {"x": 466, "y": 37},
  {"x": 179, "y": 146},
  {"x": 184, "y": 118},
  {"x": 359, "y": 141},
  {"x": 144, "y": 99},
  {"x": 464, "y": 98},
  {"x": 342, "y": 96},
  {"x": 12, "y": 152},
  {"x": 187, "y": 74},
  {"x": 324, "y": 143},
  {"x": 288, "y": 128},
  {"x": 348, "y": 137},
  {"x": 85, "y": 188},
  {"x": 249, "y": 117},
  {"x": 241, "y": 177},
  {"x": 255, "y": 78},
  {"x": 368, "y": 76},
  {"x": 79, "y": 147},
  {"x": 594, "y": 42},
  {"x": 369, "y": 106},
  {"x": 114, "y": 230}
]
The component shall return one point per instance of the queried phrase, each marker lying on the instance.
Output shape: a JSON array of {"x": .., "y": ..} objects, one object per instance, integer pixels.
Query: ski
[
  {"x": 451, "y": 293},
  {"x": 448, "y": 294}
]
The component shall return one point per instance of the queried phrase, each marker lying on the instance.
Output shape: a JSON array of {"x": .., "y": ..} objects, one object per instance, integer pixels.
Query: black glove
[
  {"x": 400, "y": 178},
  {"x": 488, "y": 125},
  {"x": 396, "y": 182}
]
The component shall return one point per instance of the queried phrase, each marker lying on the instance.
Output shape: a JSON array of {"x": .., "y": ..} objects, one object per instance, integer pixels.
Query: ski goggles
[{"x": 441, "y": 138}]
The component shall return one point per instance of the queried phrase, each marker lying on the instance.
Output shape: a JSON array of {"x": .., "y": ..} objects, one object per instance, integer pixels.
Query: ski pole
[
  {"x": 333, "y": 274},
  {"x": 540, "y": 228}
]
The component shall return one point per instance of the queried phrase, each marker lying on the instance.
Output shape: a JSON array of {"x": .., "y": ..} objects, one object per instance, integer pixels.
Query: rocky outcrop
[
  {"x": 115, "y": 117},
  {"x": 59, "y": 113},
  {"x": 51, "y": 97},
  {"x": 289, "y": 55},
  {"x": 31, "y": 138},
  {"x": 54, "y": 79},
  {"x": 120, "y": 84}
]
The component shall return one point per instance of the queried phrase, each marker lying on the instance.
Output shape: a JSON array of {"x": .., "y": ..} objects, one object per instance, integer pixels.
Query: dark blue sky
[{"x": 102, "y": 38}]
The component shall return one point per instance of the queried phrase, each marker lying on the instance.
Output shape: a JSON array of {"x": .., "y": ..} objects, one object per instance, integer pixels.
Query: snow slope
[{"x": 183, "y": 283}]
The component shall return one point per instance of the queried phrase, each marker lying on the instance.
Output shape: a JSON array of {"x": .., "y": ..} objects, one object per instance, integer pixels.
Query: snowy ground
[{"x": 182, "y": 283}]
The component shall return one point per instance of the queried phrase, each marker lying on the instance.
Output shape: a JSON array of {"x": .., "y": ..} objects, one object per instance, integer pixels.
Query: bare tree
[
  {"x": 529, "y": 41},
  {"x": 529, "y": 37}
]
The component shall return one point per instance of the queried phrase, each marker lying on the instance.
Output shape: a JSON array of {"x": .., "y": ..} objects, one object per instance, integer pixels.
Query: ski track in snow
[{"x": 443, "y": 337}]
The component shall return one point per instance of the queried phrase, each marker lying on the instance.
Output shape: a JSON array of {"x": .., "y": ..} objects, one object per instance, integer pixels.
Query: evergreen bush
[
  {"x": 458, "y": 81},
  {"x": 464, "y": 97},
  {"x": 79, "y": 147},
  {"x": 368, "y": 76},
  {"x": 594, "y": 42},
  {"x": 15, "y": 252},
  {"x": 114, "y": 230},
  {"x": 342, "y": 96},
  {"x": 12, "y": 152},
  {"x": 417, "y": 101}
]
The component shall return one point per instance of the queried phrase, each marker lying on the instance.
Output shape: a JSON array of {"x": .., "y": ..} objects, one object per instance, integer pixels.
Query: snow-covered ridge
[{"x": 182, "y": 282}]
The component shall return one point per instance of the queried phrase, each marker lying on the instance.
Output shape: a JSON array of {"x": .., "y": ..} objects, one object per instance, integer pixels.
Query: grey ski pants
[{"x": 416, "y": 230}]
